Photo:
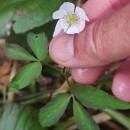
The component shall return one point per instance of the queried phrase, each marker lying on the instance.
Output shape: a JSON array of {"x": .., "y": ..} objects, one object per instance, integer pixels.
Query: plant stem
[
  {"x": 36, "y": 99},
  {"x": 57, "y": 81},
  {"x": 28, "y": 97},
  {"x": 4, "y": 95},
  {"x": 64, "y": 87},
  {"x": 122, "y": 119},
  {"x": 33, "y": 86},
  {"x": 66, "y": 77},
  {"x": 65, "y": 125},
  {"x": 53, "y": 67}
]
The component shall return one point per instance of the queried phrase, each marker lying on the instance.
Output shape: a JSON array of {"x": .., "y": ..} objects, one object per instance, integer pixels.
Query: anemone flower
[{"x": 72, "y": 19}]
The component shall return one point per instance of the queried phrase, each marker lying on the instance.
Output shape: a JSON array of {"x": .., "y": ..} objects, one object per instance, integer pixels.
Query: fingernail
[{"x": 62, "y": 48}]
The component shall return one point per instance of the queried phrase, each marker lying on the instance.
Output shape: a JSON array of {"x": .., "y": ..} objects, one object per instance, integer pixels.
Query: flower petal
[
  {"x": 59, "y": 14},
  {"x": 63, "y": 24},
  {"x": 67, "y": 6},
  {"x": 81, "y": 25},
  {"x": 57, "y": 28},
  {"x": 72, "y": 30},
  {"x": 76, "y": 28},
  {"x": 81, "y": 13}
]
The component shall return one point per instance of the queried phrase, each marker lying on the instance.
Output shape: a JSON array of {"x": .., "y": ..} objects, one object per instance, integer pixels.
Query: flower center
[{"x": 72, "y": 18}]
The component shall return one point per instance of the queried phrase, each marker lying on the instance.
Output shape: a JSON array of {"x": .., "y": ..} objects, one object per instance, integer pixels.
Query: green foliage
[
  {"x": 25, "y": 76},
  {"x": 36, "y": 15},
  {"x": 82, "y": 118},
  {"x": 51, "y": 71},
  {"x": 16, "y": 52},
  {"x": 26, "y": 14},
  {"x": 39, "y": 45},
  {"x": 97, "y": 99},
  {"x": 19, "y": 118},
  {"x": 64, "y": 125},
  {"x": 51, "y": 113}
]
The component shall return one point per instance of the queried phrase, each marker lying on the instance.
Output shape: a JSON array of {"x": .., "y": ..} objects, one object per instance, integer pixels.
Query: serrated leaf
[
  {"x": 82, "y": 118},
  {"x": 19, "y": 118},
  {"x": 26, "y": 14},
  {"x": 39, "y": 45},
  {"x": 51, "y": 113},
  {"x": 16, "y": 52},
  {"x": 97, "y": 99},
  {"x": 25, "y": 76}
]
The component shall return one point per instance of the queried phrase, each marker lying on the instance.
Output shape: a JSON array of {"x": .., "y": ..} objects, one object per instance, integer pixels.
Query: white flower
[{"x": 71, "y": 19}]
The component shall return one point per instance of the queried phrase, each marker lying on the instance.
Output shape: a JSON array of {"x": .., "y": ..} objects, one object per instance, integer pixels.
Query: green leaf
[
  {"x": 51, "y": 113},
  {"x": 39, "y": 45},
  {"x": 16, "y": 52},
  {"x": 64, "y": 125},
  {"x": 26, "y": 14},
  {"x": 97, "y": 99},
  {"x": 25, "y": 76},
  {"x": 19, "y": 118},
  {"x": 82, "y": 118}
]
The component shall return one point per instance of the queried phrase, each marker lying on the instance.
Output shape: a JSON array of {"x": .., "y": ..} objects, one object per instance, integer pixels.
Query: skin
[{"x": 105, "y": 40}]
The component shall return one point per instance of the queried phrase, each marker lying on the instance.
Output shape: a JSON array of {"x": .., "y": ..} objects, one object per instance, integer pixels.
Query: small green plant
[
  {"x": 39, "y": 45},
  {"x": 51, "y": 113},
  {"x": 95, "y": 99},
  {"x": 40, "y": 109}
]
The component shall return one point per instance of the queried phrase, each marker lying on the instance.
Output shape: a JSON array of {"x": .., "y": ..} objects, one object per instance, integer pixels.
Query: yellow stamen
[{"x": 72, "y": 18}]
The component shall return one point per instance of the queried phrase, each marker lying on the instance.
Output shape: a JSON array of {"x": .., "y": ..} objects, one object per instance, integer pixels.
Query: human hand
[{"x": 106, "y": 39}]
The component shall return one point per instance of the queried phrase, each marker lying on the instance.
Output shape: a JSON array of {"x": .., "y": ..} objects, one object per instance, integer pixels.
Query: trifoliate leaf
[
  {"x": 82, "y": 118},
  {"x": 97, "y": 99},
  {"x": 16, "y": 52},
  {"x": 39, "y": 45},
  {"x": 25, "y": 76},
  {"x": 51, "y": 113}
]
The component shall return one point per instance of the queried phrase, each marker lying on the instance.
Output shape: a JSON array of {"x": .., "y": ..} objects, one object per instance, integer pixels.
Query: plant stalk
[{"x": 122, "y": 119}]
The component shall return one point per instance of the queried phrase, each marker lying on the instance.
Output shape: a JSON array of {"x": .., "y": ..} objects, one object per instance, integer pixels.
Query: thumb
[{"x": 101, "y": 42}]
